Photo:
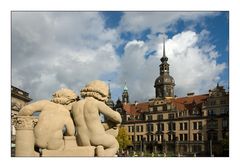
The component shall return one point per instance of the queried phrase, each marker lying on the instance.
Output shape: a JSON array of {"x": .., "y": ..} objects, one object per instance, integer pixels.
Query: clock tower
[{"x": 164, "y": 84}]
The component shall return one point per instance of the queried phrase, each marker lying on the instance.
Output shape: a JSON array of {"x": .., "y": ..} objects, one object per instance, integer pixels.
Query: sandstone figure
[
  {"x": 86, "y": 115},
  {"x": 53, "y": 118}
]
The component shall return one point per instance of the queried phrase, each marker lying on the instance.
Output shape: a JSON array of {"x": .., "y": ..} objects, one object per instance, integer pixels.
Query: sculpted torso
[
  {"x": 90, "y": 130},
  {"x": 52, "y": 119}
]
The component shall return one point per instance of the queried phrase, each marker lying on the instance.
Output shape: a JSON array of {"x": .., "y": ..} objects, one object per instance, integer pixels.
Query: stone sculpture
[
  {"x": 90, "y": 130},
  {"x": 54, "y": 116},
  {"x": 91, "y": 137}
]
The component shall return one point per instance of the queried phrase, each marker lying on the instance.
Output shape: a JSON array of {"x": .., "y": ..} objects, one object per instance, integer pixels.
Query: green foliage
[{"x": 122, "y": 139}]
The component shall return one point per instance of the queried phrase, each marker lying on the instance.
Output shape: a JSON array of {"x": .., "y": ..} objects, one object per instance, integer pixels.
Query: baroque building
[{"x": 194, "y": 125}]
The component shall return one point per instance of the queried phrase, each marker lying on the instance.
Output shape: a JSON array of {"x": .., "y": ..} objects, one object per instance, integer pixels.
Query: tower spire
[
  {"x": 165, "y": 83},
  {"x": 164, "y": 47},
  {"x": 164, "y": 58},
  {"x": 110, "y": 102},
  {"x": 125, "y": 97}
]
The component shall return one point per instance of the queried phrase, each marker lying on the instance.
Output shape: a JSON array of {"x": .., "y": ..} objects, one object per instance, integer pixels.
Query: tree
[{"x": 122, "y": 139}]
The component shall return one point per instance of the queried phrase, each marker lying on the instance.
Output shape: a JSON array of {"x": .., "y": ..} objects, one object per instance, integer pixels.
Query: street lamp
[{"x": 134, "y": 125}]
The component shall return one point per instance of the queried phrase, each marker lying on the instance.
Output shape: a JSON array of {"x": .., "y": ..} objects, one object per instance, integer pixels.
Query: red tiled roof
[
  {"x": 135, "y": 109},
  {"x": 182, "y": 103}
]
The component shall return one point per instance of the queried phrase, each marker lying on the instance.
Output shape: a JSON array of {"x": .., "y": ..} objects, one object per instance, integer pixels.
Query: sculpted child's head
[
  {"x": 64, "y": 96},
  {"x": 97, "y": 89}
]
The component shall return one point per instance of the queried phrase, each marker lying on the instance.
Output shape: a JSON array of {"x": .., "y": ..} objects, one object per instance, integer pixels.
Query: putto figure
[
  {"x": 86, "y": 115},
  {"x": 54, "y": 117}
]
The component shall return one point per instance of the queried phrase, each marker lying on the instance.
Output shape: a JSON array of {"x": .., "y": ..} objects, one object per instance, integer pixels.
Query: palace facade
[{"x": 194, "y": 125}]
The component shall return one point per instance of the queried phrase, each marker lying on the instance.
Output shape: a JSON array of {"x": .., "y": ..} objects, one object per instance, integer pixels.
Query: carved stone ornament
[{"x": 25, "y": 122}]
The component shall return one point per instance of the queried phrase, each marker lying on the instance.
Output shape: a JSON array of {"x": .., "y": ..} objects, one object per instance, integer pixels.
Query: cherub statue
[
  {"x": 54, "y": 117},
  {"x": 86, "y": 115}
]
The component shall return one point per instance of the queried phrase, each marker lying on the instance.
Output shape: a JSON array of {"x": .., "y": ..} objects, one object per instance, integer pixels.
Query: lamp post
[{"x": 134, "y": 125}]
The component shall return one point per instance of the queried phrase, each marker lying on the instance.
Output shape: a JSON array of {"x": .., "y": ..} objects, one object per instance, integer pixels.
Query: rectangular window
[
  {"x": 149, "y": 117},
  {"x": 133, "y": 139},
  {"x": 195, "y": 137},
  {"x": 162, "y": 125},
  {"x": 185, "y": 137},
  {"x": 185, "y": 126},
  {"x": 174, "y": 126},
  {"x": 168, "y": 107},
  {"x": 152, "y": 139},
  {"x": 141, "y": 128},
  {"x": 164, "y": 107},
  {"x": 133, "y": 128},
  {"x": 138, "y": 137},
  {"x": 159, "y": 108},
  {"x": 194, "y": 125},
  {"x": 200, "y": 125},
  {"x": 151, "y": 109},
  {"x": 181, "y": 126},
  {"x": 129, "y": 128},
  {"x": 181, "y": 137},
  {"x": 160, "y": 117},
  {"x": 148, "y": 138},
  {"x": 150, "y": 127},
  {"x": 170, "y": 116},
  {"x": 169, "y": 126},
  {"x": 200, "y": 137},
  {"x": 137, "y": 128}
]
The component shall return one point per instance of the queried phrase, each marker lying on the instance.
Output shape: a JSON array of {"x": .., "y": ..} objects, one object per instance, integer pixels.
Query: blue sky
[{"x": 51, "y": 50}]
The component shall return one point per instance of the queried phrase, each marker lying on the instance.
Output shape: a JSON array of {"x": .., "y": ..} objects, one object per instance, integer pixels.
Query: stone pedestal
[
  {"x": 77, "y": 151},
  {"x": 70, "y": 149},
  {"x": 70, "y": 142},
  {"x": 25, "y": 136}
]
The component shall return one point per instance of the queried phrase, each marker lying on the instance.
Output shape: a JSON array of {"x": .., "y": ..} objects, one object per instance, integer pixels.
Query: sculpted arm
[
  {"x": 109, "y": 113},
  {"x": 33, "y": 107}
]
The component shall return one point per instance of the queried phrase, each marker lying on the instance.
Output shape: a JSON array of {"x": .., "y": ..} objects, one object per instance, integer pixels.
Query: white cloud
[
  {"x": 190, "y": 65},
  {"x": 158, "y": 21},
  {"x": 60, "y": 49},
  {"x": 137, "y": 71},
  {"x": 193, "y": 67}
]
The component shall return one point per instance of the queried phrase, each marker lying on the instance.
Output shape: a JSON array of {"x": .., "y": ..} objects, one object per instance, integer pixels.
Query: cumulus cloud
[
  {"x": 192, "y": 66},
  {"x": 158, "y": 21},
  {"x": 51, "y": 50},
  {"x": 60, "y": 49}
]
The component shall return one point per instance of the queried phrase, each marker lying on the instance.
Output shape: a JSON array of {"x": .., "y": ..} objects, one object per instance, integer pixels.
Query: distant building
[{"x": 190, "y": 125}]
